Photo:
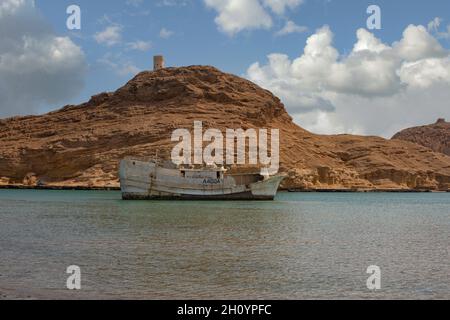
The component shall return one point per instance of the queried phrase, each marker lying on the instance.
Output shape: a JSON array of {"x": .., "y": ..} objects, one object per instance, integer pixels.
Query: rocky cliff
[
  {"x": 81, "y": 146},
  {"x": 434, "y": 136}
]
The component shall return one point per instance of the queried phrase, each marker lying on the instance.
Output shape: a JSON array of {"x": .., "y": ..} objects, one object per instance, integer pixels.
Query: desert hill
[
  {"x": 82, "y": 145},
  {"x": 434, "y": 136}
]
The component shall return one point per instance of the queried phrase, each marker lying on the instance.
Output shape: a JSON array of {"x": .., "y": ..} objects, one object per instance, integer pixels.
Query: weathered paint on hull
[
  {"x": 146, "y": 181},
  {"x": 229, "y": 197}
]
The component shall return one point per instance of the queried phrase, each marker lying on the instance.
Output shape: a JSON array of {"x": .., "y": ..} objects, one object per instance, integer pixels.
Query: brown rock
[
  {"x": 435, "y": 136},
  {"x": 30, "y": 179},
  {"x": 82, "y": 145}
]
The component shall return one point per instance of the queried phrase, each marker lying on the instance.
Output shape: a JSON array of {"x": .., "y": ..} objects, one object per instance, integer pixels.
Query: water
[{"x": 302, "y": 246}]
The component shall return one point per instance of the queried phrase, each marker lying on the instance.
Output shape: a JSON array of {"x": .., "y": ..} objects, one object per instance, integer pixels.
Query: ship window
[{"x": 183, "y": 174}]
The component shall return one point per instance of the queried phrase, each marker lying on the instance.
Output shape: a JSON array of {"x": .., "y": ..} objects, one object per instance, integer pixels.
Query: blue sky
[
  {"x": 197, "y": 40},
  {"x": 394, "y": 73}
]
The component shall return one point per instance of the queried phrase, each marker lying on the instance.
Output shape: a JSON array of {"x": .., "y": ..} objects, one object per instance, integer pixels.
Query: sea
[{"x": 300, "y": 246}]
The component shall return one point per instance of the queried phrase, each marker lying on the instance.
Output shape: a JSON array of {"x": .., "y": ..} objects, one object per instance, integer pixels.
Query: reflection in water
[{"x": 300, "y": 246}]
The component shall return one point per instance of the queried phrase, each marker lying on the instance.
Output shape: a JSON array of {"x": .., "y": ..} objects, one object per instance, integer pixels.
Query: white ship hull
[{"x": 141, "y": 180}]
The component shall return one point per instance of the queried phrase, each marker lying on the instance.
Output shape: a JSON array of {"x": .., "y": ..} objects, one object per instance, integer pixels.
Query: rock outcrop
[
  {"x": 81, "y": 146},
  {"x": 434, "y": 136}
]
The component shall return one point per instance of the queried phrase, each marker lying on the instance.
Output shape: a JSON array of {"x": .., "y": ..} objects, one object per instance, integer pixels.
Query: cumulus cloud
[
  {"x": 110, "y": 36},
  {"x": 291, "y": 27},
  {"x": 280, "y": 6},
  {"x": 37, "y": 67},
  {"x": 139, "y": 45},
  {"x": 418, "y": 44},
  {"x": 375, "y": 89},
  {"x": 235, "y": 16}
]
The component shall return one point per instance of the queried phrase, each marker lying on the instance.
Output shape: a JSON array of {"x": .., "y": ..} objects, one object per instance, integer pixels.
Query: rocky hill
[
  {"x": 434, "y": 136},
  {"x": 81, "y": 146}
]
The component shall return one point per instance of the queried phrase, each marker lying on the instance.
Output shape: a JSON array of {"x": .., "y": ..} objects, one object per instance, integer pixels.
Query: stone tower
[{"x": 158, "y": 62}]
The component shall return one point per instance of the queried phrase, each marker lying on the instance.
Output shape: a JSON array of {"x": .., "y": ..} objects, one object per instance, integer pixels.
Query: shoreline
[
  {"x": 290, "y": 190},
  {"x": 60, "y": 188},
  {"x": 363, "y": 191}
]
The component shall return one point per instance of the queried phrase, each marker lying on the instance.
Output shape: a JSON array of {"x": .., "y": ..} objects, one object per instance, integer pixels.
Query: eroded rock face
[
  {"x": 435, "y": 136},
  {"x": 82, "y": 145}
]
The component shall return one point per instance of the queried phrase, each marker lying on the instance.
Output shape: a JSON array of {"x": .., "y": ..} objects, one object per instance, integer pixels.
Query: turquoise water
[{"x": 301, "y": 246}]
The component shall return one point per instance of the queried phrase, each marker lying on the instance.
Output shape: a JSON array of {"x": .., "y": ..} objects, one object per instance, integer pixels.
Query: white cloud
[
  {"x": 11, "y": 7},
  {"x": 434, "y": 25},
  {"x": 165, "y": 33},
  {"x": 235, "y": 16},
  {"x": 139, "y": 45},
  {"x": 375, "y": 89},
  {"x": 417, "y": 44},
  {"x": 368, "y": 42},
  {"x": 37, "y": 67},
  {"x": 280, "y": 6},
  {"x": 291, "y": 27},
  {"x": 110, "y": 36},
  {"x": 426, "y": 72},
  {"x": 278, "y": 76}
]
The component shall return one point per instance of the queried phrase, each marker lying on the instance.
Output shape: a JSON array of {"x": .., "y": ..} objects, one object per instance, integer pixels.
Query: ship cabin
[{"x": 209, "y": 173}]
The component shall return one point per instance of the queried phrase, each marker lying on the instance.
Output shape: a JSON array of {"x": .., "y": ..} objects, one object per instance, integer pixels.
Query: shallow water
[{"x": 301, "y": 246}]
